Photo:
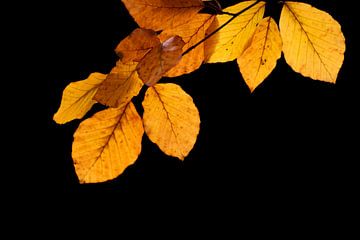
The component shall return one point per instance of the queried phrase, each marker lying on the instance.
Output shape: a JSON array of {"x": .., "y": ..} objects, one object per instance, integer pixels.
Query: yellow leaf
[
  {"x": 160, "y": 60},
  {"x": 259, "y": 59},
  {"x": 171, "y": 119},
  {"x": 120, "y": 86},
  {"x": 162, "y": 14},
  {"x": 106, "y": 144},
  {"x": 191, "y": 32},
  {"x": 230, "y": 42},
  {"x": 134, "y": 47},
  {"x": 313, "y": 43},
  {"x": 77, "y": 98}
]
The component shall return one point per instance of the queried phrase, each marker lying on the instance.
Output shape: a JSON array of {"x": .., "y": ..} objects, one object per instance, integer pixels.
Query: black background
[{"x": 292, "y": 136}]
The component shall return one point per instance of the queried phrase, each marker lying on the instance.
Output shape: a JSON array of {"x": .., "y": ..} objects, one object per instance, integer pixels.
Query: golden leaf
[
  {"x": 230, "y": 42},
  {"x": 134, "y": 47},
  {"x": 107, "y": 143},
  {"x": 120, "y": 86},
  {"x": 161, "y": 14},
  {"x": 259, "y": 59},
  {"x": 313, "y": 43},
  {"x": 191, "y": 32},
  {"x": 171, "y": 119},
  {"x": 77, "y": 98},
  {"x": 160, "y": 60}
]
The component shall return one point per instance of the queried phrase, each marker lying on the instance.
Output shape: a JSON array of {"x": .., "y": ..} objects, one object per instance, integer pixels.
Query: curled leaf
[
  {"x": 191, "y": 32},
  {"x": 160, "y": 60},
  {"x": 134, "y": 47}
]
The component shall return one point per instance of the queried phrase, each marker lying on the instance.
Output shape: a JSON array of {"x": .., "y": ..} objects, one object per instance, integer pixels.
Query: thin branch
[{"x": 221, "y": 27}]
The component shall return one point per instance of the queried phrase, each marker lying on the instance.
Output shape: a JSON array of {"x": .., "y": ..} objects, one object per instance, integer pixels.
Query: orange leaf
[
  {"x": 120, "y": 86},
  {"x": 171, "y": 119},
  {"x": 191, "y": 32},
  {"x": 260, "y": 58},
  {"x": 162, "y": 14},
  {"x": 136, "y": 45},
  {"x": 160, "y": 60},
  {"x": 107, "y": 143}
]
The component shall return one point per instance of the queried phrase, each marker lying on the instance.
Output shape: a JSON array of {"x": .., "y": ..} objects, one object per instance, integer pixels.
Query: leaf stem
[{"x": 221, "y": 27}]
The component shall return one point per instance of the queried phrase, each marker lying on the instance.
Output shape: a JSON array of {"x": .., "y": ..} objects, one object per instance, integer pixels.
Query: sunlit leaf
[
  {"x": 171, "y": 119},
  {"x": 313, "y": 43},
  {"x": 77, "y": 98},
  {"x": 260, "y": 58},
  {"x": 230, "y": 42},
  {"x": 162, "y": 14},
  {"x": 107, "y": 143}
]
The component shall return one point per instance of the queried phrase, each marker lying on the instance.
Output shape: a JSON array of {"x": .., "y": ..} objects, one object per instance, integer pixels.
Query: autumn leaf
[
  {"x": 313, "y": 43},
  {"x": 260, "y": 58},
  {"x": 160, "y": 60},
  {"x": 77, "y": 98},
  {"x": 191, "y": 32},
  {"x": 106, "y": 144},
  {"x": 137, "y": 45},
  {"x": 229, "y": 43},
  {"x": 162, "y": 14},
  {"x": 171, "y": 119},
  {"x": 120, "y": 86}
]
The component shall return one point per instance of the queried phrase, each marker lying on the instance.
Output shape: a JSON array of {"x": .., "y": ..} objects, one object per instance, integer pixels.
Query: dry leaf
[
  {"x": 191, "y": 32},
  {"x": 120, "y": 86},
  {"x": 162, "y": 14},
  {"x": 260, "y": 58},
  {"x": 171, "y": 119},
  {"x": 136, "y": 45},
  {"x": 160, "y": 60},
  {"x": 230, "y": 42},
  {"x": 313, "y": 43},
  {"x": 106, "y": 144},
  {"x": 77, "y": 98}
]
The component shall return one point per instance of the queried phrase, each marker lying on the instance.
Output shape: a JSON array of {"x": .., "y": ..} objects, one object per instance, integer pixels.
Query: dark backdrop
[{"x": 291, "y": 136}]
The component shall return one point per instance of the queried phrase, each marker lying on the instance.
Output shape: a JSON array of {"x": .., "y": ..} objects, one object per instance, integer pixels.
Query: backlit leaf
[
  {"x": 260, "y": 58},
  {"x": 171, "y": 119},
  {"x": 107, "y": 143},
  {"x": 230, "y": 42},
  {"x": 313, "y": 43},
  {"x": 77, "y": 98},
  {"x": 120, "y": 86},
  {"x": 160, "y": 60},
  {"x": 162, "y": 14},
  {"x": 191, "y": 32},
  {"x": 136, "y": 45}
]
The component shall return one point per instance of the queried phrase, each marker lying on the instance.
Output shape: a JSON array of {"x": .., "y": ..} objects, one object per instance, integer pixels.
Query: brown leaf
[
  {"x": 120, "y": 86},
  {"x": 191, "y": 32},
  {"x": 162, "y": 14},
  {"x": 160, "y": 60},
  {"x": 136, "y": 45}
]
